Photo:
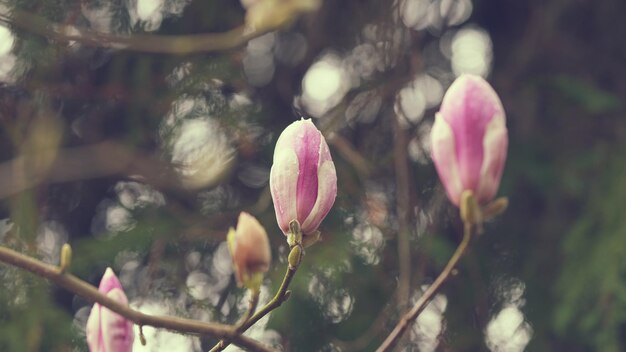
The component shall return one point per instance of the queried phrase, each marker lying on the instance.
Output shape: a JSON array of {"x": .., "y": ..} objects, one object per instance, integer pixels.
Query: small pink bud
[
  {"x": 250, "y": 249},
  {"x": 469, "y": 139},
  {"x": 303, "y": 180},
  {"x": 108, "y": 331}
]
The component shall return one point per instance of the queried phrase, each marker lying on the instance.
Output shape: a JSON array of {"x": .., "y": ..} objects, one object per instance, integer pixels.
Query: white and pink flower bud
[
  {"x": 303, "y": 180},
  {"x": 469, "y": 139},
  {"x": 250, "y": 249},
  {"x": 108, "y": 331}
]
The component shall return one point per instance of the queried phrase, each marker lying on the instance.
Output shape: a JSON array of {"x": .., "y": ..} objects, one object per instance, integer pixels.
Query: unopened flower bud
[
  {"x": 108, "y": 331},
  {"x": 250, "y": 249},
  {"x": 469, "y": 139},
  {"x": 303, "y": 180}
]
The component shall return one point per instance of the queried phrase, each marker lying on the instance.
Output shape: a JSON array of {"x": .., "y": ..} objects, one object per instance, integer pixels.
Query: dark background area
[{"x": 141, "y": 161}]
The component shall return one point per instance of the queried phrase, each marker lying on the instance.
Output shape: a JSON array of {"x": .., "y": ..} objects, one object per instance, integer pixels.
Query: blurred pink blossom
[
  {"x": 108, "y": 331},
  {"x": 250, "y": 250}
]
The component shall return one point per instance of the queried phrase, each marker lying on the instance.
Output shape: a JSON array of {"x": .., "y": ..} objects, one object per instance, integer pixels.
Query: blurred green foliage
[{"x": 591, "y": 287}]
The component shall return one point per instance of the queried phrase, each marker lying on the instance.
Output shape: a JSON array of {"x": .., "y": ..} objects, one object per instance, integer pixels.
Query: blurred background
[{"x": 141, "y": 154}]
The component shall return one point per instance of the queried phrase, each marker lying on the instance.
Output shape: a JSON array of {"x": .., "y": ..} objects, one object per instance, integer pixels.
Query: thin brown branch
[
  {"x": 87, "y": 291},
  {"x": 149, "y": 43},
  {"x": 423, "y": 301}
]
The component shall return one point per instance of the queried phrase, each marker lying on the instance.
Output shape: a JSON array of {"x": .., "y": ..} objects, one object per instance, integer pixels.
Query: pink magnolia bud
[
  {"x": 469, "y": 139},
  {"x": 108, "y": 331},
  {"x": 303, "y": 180},
  {"x": 250, "y": 250}
]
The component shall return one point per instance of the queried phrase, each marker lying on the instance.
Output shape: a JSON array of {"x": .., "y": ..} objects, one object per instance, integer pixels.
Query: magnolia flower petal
[
  {"x": 295, "y": 180},
  {"x": 116, "y": 330},
  {"x": 107, "y": 331},
  {"x": 327, "y": 192},
  {"x": 443, "y": 150},
  {"x": 250, "y": 248},
  {"x": 289, "y": 137},
  {"x": 307, "y": 145},
  {"x": 93, "y": 332},
  {"x": 495, "y": 145},
  {"x": 468, "y": 106},
  {"x": 283, "y": 182},
  {"x": 109, "y": 281},
  {"x": 324, "y": 151},
  {"x": 231, "y": 240}
]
